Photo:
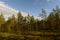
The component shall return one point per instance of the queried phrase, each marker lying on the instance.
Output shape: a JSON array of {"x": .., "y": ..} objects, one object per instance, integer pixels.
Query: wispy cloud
[
  {"x": 51, "y": 0},
  {"x": 48, "y": 0},
  {"x": 36, "y": 2},
  {"x": 8, "y": 11},
  {"x": 6, "y": 6}
]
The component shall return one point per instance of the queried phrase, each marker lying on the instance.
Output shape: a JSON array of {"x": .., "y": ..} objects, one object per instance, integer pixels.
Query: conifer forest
[{"x": 30, "y": 28}]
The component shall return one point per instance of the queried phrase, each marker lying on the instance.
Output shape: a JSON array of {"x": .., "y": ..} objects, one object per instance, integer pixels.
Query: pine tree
[
  {"x": 19, "y": 17},
  {"x": 2, "y": 19}
]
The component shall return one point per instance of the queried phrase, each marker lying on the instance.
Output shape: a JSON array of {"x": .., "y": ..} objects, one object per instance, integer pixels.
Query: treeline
[{"x": 30, "y": 24}]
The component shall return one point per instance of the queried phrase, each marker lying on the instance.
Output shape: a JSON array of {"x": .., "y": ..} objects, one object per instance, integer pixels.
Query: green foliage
[
  {"x": 28, "y": 27},
  {"x": 20, "y": 17},
  {"x": 2, "y": 19},
  {"x": 44, "y": 14}
]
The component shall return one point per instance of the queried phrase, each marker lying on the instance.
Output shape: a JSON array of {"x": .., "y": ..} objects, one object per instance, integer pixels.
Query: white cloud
[
  {"x": 6, "y": 7},
  {"x": 2, "y": 3},
  {"x": 39, "y": 18},
  {"x": 8, "y": 11}
]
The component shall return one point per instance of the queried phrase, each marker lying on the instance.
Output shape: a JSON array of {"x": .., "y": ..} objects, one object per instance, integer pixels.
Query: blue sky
[{"x": 33, "y": 7}]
